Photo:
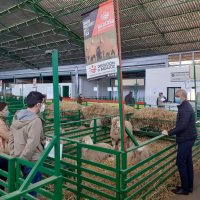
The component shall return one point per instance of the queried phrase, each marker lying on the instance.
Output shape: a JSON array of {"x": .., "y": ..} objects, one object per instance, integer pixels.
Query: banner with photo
[{"x": 100, "y": 39}]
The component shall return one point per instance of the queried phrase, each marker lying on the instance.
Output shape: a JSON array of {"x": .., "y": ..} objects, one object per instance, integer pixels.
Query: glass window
[
  {"x": 171, "y": 93},
  {"x": 191, "y": 96},
  {"x": 196, "y": 57},
  {"x": 186, "y": 59},
  {"x": 173, "y": 60}
]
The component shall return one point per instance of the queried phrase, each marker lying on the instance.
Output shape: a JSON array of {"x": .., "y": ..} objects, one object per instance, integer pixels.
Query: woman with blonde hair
[{"x": 4, "y": 138}]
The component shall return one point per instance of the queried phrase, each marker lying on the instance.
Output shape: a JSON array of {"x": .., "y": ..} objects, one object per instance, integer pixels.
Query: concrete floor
[{"x": 195, "y": 195}]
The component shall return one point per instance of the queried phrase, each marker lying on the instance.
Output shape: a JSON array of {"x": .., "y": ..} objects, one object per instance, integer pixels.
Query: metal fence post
[
  {"x": 95, "y": 131},
  {"x": 124, "y": 176},
  {"x": 79, "y": 181}
]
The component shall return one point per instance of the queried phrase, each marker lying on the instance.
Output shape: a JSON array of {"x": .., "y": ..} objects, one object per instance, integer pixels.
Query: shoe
[
  {"x": 179, "y": 187},
  {"x": 180, "y": 192}
]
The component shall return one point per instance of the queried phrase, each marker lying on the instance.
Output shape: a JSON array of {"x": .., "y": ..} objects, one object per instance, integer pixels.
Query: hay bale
[
  {"x": 98, "y": 110},
  {"x": 150, "y": 116},
  {"x": 64, "y": 107}
]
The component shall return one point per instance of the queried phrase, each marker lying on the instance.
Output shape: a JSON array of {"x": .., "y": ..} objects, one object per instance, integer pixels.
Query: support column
[
  {"x": 110, "y": 91},
  {"x": 97, "y": 89}
]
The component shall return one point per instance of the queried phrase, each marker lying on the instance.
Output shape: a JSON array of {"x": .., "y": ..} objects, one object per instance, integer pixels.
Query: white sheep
[
  {"x": 115, "y": 132},
  {"x": 95, "y": 155},
  {"x": 61, "y": 130},
  {"x": 139, "y": 154},
  {"x": 98, "y": 123}
]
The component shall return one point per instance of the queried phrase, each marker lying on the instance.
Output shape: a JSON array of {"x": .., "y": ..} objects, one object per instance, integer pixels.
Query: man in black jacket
[
  {"x": 129, "y": 98},
  {"x": 186, "y": 134}
]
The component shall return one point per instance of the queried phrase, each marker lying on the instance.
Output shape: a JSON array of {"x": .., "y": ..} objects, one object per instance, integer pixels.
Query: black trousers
[
  {"x": 3, "y": 166},
  {"x": 185, "y": 164}
]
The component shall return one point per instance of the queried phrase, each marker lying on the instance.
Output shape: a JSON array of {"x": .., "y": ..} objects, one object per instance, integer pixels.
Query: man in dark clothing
[
  {"x": 186, "y": 134},
  {"x": 129, "y": 99}
]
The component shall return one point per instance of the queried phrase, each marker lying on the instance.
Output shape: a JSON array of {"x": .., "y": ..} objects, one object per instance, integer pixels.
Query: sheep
[
  {"x": 93, "y": 155},
  {"x": 108, "y": 46},
  {"x": 115, "y": 132},
  {"x": 90, "y": 52},
  {"x": 139, "y": 154},
  {"x": 61, "y": 130},
  {"x": 98, "y": 123}
]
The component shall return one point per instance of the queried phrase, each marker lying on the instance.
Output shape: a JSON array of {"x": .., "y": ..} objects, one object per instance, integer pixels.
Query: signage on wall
[{"x": 179, "y": 76}]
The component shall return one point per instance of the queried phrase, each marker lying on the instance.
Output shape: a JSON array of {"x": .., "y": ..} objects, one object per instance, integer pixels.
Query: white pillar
[{"x": 97, "y": 89}]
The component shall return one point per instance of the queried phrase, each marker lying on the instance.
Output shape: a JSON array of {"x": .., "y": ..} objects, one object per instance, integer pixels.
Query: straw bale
[
  {"x": 97, "y": 110},
  {"x": 64, "y": 106},
  {"x": 127, "y": 109},
  {"x": 150, "y": 116}
]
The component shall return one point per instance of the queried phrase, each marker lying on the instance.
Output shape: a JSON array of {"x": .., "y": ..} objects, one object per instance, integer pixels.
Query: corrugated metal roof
[{"x": 148, "y": 27}]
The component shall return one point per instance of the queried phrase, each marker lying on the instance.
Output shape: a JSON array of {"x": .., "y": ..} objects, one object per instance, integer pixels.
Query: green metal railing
[{"x": 10, "y": 175}]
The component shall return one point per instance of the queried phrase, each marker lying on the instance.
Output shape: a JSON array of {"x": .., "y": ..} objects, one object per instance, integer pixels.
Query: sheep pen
[
  {"x": 143, "y": 180},
  {"x": 92, "y": 174}
]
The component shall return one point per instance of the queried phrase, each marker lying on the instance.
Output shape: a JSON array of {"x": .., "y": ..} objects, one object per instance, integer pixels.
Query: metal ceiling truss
[
  {"x": 16, "y": 59},
  {"x": 161, "y": 28},
  {"x": 54, "y": 22}
]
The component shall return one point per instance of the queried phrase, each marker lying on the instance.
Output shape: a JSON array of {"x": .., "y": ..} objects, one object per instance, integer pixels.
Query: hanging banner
[
  {"x": 34, "y": 81},
  {"x": 76, "y": 76},
  {"x": 0, "y": 83},
  {"x": 101, "y": 51}
]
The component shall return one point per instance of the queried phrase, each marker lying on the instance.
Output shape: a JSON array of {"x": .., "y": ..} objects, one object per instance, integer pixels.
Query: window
[
  {"x": 191, "y": 96},
  {"x": 173, "y": 60},
  {"x": 196, "y": 57},
  {"x": 171, "y": 93},
  {"x": 186, "y": 59}
]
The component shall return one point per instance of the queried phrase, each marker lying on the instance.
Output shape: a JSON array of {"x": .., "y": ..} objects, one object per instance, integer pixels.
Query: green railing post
[
  {"x": 195, "y": 85},
  {"x": 11, "y": 175},
  {"x": 127, "y": 117},
  {"x": 79, "y": 181},
  {"x": 95, "y": 130},
  {"x": 23, "y": 94},
  {"x": 124, "y": 176},
  {"x": 118, "y": 178},
  {"x": 58, "y": 185},
  {"x": 79, "y": 117},
  {"x": 56, "y": 111}
]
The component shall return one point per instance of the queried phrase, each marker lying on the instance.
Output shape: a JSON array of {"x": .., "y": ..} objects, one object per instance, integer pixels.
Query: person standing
[
  {"x": 186, "y": 134},
  {"x": 161, "y": 100},
  {"x": 80, "y": 98},
  {"x": 129, "y": 98},
  {"x": 4, "y": 138},
  {"x": 27, "y": 134}
]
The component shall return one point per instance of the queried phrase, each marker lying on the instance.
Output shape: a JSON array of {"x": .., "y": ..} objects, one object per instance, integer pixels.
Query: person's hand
[{"x": 165, "y": 132}]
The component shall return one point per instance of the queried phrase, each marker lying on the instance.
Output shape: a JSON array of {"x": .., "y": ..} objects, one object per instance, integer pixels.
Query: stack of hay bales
[
  {"x": 127, "y": 109},
  {"x": 97, "y": 110},
  {"x": 153, "y": 118},
  {"x": 64, "y": 107}
]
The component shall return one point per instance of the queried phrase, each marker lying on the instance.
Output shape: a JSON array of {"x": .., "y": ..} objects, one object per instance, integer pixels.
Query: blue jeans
[
  {"x": 26, "y": 170},
  {"x": 185, "y": 164}
]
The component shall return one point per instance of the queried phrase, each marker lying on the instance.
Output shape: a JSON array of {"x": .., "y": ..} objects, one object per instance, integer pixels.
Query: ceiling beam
[
  {"x": 15, "y": 58},
  {"x": 54, "y": 22}
]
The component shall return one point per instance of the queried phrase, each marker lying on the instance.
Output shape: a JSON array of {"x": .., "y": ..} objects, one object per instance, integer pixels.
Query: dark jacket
[
  {"x": 185, "y": 129},
  {"x": 129, "y": 99}
]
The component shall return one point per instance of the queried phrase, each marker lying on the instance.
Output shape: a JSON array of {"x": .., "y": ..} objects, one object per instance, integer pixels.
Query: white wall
[
  {"x": 161, "y": 78},
  {"x": 40, "y": 88}
]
